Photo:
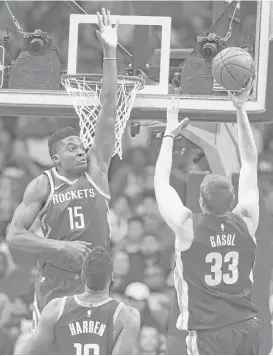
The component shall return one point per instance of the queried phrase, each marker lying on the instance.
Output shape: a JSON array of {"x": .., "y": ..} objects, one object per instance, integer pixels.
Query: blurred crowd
[{"x": 142, "y": 244}]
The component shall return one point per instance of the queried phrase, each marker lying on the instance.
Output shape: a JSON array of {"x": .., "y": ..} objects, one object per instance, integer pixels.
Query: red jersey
[
  {"x": 213, "y": 278},
  {"x": 75, "y": 210},
  {"x": 85, "y": 329}
]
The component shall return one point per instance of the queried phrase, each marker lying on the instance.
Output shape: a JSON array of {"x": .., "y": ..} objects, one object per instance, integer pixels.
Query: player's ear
[{"x": 56, "y": 159}]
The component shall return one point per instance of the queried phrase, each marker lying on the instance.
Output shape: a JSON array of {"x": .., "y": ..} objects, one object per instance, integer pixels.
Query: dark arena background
[{"x": 168, "y": 44}]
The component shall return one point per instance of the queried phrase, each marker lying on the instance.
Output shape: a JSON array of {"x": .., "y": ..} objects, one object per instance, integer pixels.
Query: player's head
[
  {"x": 67, "y": 151},
  {"x": 98, "y": 269},
  {"x": 216, "y": 195}
]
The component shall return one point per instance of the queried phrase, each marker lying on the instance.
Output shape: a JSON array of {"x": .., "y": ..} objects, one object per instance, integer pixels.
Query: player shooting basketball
[
  {"x": 71, "y": 199},
  {"x": 215, "y": 250},
  {"x": 90, "y": 323}
]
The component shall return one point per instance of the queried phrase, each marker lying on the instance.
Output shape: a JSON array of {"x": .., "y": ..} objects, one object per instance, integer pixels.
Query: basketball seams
[
  {"x": 237, "y": 65},
  {"x": 221, "y": 61},
  {"x": 223, "y": 70},
  {"x": 236, "y": 55},
  {"x": 233, "y": 77},
  {"x": 221, "y": 58}
]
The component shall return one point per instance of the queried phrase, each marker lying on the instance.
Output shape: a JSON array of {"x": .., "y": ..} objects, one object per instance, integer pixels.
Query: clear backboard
[{"x": 164, "y": 39}]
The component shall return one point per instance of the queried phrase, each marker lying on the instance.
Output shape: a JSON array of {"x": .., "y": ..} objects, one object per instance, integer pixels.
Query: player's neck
[
  {"x": 69, "y": 175},
  {"x": 93, "y": 297}
]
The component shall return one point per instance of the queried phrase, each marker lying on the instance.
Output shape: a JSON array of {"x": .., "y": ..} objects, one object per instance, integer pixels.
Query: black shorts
[
  {"x": 51, "y": 285},
  {"x": 238, "y": 339}
]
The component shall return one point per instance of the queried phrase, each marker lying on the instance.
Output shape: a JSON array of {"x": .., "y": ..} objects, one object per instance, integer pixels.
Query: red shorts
[{"x": 53, "y": 283}]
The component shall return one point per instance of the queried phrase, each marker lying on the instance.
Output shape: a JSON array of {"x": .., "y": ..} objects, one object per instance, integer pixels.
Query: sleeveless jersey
[
  {"x": 74, "y": 211},
  {"x": 213, "y": 278},
  {"x": 85, "y": 329}
]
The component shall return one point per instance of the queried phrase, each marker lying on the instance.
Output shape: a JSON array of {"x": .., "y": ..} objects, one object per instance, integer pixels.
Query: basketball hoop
[{"x": 85, "y": 89}]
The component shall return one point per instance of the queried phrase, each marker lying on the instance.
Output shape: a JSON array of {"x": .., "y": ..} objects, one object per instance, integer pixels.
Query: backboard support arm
[{"x": 219, "y": 143}]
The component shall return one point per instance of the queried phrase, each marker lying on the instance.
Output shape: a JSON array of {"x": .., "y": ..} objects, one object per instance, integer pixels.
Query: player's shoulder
[
  {"x": 250, "y": 221},
  {"x": 129, "y": 315},
  {"x": 38, "y": 187},
  {"x": 52, "y": 308}
]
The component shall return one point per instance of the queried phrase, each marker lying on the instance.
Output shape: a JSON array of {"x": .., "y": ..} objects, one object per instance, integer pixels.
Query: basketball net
[{"x": 85, "y": 91}]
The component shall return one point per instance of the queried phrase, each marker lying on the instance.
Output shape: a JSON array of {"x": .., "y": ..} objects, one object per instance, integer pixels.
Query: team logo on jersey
[
  {"x": 222, "y": 227},
  {"x": 89, "y": 314}
]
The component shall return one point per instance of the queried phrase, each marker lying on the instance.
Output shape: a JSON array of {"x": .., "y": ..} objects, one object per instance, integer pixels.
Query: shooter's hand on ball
[
  {"x": 107, "y": 34},
  {"x": 239, "y": 99},
  {"x": 174, "y": 127}
]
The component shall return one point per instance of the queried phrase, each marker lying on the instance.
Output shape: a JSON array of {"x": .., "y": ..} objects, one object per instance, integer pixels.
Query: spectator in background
[
  {"x": 129, "y": 179},
  {"x": 149, "y": 341},
  {"x": 134, "y": 235},
  {"x": 121, "y": 269},
  {"x": 120, "y": 212},
  {"x": 138, "y": 296}
]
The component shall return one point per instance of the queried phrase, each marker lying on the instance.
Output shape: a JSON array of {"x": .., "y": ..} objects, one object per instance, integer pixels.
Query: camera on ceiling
[
  {"x": 210, "y": 46},
  {"x": 37, "y": 42}
]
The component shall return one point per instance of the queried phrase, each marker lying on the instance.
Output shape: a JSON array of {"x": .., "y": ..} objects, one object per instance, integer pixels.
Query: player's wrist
[
  {"x": 169, "y": 136},
  {"x": 110, "y": 52}
]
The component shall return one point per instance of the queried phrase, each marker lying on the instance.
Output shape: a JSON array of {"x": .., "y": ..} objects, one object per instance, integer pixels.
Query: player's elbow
[{"x": 13, "y": 235}]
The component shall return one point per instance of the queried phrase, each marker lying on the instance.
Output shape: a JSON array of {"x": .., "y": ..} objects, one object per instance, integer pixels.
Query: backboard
[{"x": 158, "y": 37}]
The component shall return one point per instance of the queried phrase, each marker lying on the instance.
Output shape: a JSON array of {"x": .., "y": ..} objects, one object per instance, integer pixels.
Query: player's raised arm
[
  {"x": 44, "y": 336},
  {"x": 248, "y": 192},
  {"x": 126, "y": 331},
  {"x": 176, "y": 215},
  {"x": 19, "y": 235},
  {"x": 104, "y": 141}
]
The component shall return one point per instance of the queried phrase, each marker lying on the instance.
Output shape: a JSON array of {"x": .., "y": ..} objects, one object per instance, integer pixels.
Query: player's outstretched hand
[
  {"x": 78, "y": 250},
  {"x": 107, "y": 34},
  {"x": 174, "y": 127},
  {"x": 239, "y": 99}
]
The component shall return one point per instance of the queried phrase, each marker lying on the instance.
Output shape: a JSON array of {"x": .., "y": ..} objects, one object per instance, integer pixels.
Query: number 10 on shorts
[{"x": 76, "y": 217}]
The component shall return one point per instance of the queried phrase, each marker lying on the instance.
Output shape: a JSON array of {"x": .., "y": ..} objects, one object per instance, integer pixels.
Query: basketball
[{"x": 232, "y": 68}]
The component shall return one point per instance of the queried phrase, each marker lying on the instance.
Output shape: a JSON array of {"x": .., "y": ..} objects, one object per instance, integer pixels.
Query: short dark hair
[
  {"x": 97, "y": 269},
  {"x": 58, "y": 136},
  {"x": 217, "y": 193}
]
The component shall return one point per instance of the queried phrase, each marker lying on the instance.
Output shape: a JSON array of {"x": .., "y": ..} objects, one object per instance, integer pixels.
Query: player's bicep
[
  {"x": 26, "y": 213},
  {"x": 98, "y": 171},
  {"x": 171, "y": 207},
  {"x": 248, "y": 198},
  {"x": 126, "y": 343},
  {"x": 44, "y": 335}
]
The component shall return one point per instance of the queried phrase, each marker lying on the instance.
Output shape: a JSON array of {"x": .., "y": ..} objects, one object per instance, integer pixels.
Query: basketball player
[
  {"x": 71, "y": 199},
  {"x": 215, "y": 250},
  {"x": 90, "y": 323}
]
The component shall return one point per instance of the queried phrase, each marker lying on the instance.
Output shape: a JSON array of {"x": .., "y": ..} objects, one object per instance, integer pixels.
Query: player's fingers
[
  {"x": 85, "y": 243},
  {"x": 99, "y": 19},
  {"x": 108, "y": 14},
  {"x": 104, "y": 16},
  {"x": 249, "y": 84},
  {"x": 116, "y": 25},
  {"x": 184, "y": 123}
]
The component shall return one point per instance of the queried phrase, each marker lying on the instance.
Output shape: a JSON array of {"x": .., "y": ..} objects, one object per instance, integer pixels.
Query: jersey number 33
[{"x": 217, "y": 261}]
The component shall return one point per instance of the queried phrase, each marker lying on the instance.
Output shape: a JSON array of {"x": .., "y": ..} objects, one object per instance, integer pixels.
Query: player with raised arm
[
  {"x": 71, "y": 199},
  {"x": 215, "y": 250},
  {"x": 91, "y": 323}
]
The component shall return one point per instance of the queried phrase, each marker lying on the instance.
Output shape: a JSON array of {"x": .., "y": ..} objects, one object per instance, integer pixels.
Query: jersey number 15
[
  {"x": 76, "y": 217},
  {"x": 217, "y": 260}
]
